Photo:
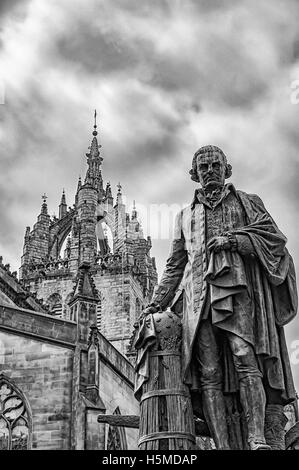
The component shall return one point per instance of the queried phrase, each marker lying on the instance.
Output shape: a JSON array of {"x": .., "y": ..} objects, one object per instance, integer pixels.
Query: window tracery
[{"x": 14, "y": 418}]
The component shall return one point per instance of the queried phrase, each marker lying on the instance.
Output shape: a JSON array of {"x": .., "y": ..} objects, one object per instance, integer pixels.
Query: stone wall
[
  {"x": 37, "y": 355},
  {"x": 116, "y": 387},
  {"x": 118, "y": 306},
  {"x": 61, "y": 286},
  {"x": 43, "y": 372},
  {"x": 121, "y": 302}
]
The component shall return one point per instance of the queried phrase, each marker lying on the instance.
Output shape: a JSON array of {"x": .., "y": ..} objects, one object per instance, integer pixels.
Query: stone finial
[
  {"x": 134, "y": 212},
  {"x": 108, "y": 192},
  {"x": 62, "y": 206},
  {"x": 119, "y": 194},
  {"x": 63, "y": 201},
  {"x": 44, "y": 209}
]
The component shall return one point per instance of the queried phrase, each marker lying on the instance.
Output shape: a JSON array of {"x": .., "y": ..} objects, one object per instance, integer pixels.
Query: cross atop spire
[
  {"x": 95, "y": 124},
  {"x": 95, "y": 146}
]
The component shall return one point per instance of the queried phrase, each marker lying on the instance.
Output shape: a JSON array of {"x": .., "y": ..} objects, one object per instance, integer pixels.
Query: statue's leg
[
  {"x": 275, "y": 419},
  {"x": 207, "y": 354},
  {"x": 252, "y": 393}
]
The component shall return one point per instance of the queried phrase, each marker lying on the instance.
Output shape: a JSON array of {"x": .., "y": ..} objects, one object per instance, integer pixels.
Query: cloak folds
[{"x": 267, "y": 278}]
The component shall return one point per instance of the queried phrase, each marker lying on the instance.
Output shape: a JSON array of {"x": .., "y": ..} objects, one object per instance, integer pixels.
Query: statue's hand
[
  {"x": 151, "y": 308},
  {"x": 219, "y": 243}
]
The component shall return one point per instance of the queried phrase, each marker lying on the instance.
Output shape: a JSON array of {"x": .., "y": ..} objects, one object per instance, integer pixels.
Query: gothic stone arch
[
  {"x": 58, "y": 233},
  {"x": 55, "y": 304}
]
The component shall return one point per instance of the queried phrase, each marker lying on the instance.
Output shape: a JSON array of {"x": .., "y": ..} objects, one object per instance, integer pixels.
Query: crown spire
[{"x": 94, "y": 161}]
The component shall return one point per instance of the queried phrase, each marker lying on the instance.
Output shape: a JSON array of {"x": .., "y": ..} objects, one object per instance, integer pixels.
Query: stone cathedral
[
  {"x": 96, "y": 230},
  {"x": 66, "y": 322}
]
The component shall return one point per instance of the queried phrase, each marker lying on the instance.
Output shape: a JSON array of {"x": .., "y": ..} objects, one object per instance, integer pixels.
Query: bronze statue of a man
[{"x": 231, "y": 272}]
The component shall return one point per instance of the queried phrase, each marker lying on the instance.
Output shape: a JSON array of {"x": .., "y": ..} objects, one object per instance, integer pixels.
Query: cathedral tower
[{"x": 98, "y": 232}]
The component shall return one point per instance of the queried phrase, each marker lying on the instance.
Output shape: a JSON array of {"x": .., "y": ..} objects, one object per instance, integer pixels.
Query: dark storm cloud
[
  {"x": 10, "y": 7},
  {"x": 95, "y": 52},
  {"x": 212, "y": 6},
  {"x": 145, "y": 7}
]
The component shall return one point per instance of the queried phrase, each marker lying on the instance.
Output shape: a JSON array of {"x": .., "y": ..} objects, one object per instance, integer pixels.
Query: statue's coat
[{"x": 271, "y": 282}]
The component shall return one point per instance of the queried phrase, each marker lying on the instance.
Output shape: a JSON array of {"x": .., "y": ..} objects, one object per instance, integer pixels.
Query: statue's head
[{"x": 210, "y": 167}]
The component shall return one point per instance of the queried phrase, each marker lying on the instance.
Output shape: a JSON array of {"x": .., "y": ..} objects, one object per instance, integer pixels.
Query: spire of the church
[
  {"x": 94, "y": 161},
  {"x": 62, "y": 206},
  {"x": 94, "y": 148}
]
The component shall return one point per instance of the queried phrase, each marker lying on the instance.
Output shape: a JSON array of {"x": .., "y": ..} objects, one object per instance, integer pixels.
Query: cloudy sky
[{"x": 166, "y": 76}]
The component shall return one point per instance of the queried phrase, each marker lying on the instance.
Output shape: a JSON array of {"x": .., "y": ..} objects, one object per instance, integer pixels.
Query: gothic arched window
[
  {"x": 116, "y": 436},
  {"x": 15, "y": 421}
]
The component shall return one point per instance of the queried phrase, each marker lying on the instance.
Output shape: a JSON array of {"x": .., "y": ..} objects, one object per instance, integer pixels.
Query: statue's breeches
[{"x": 208, "y": 354}]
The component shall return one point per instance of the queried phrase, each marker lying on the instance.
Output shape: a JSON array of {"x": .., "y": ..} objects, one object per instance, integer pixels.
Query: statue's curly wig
[{"x": 206, "y": 150}]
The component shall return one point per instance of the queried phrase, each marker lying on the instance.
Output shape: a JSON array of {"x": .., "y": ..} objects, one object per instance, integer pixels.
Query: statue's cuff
[{"x": 232, "y": 240}]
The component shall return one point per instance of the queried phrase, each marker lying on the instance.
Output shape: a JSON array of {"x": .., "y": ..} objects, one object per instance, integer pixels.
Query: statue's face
[{"x": 211, "y": 170}]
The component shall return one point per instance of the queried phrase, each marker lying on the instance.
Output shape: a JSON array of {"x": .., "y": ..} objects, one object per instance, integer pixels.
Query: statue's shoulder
[{"x": 253, "y": 198}]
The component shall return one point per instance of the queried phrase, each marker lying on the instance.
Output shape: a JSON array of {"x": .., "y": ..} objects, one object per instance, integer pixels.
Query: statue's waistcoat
[{"x": 198, "y": 223}]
